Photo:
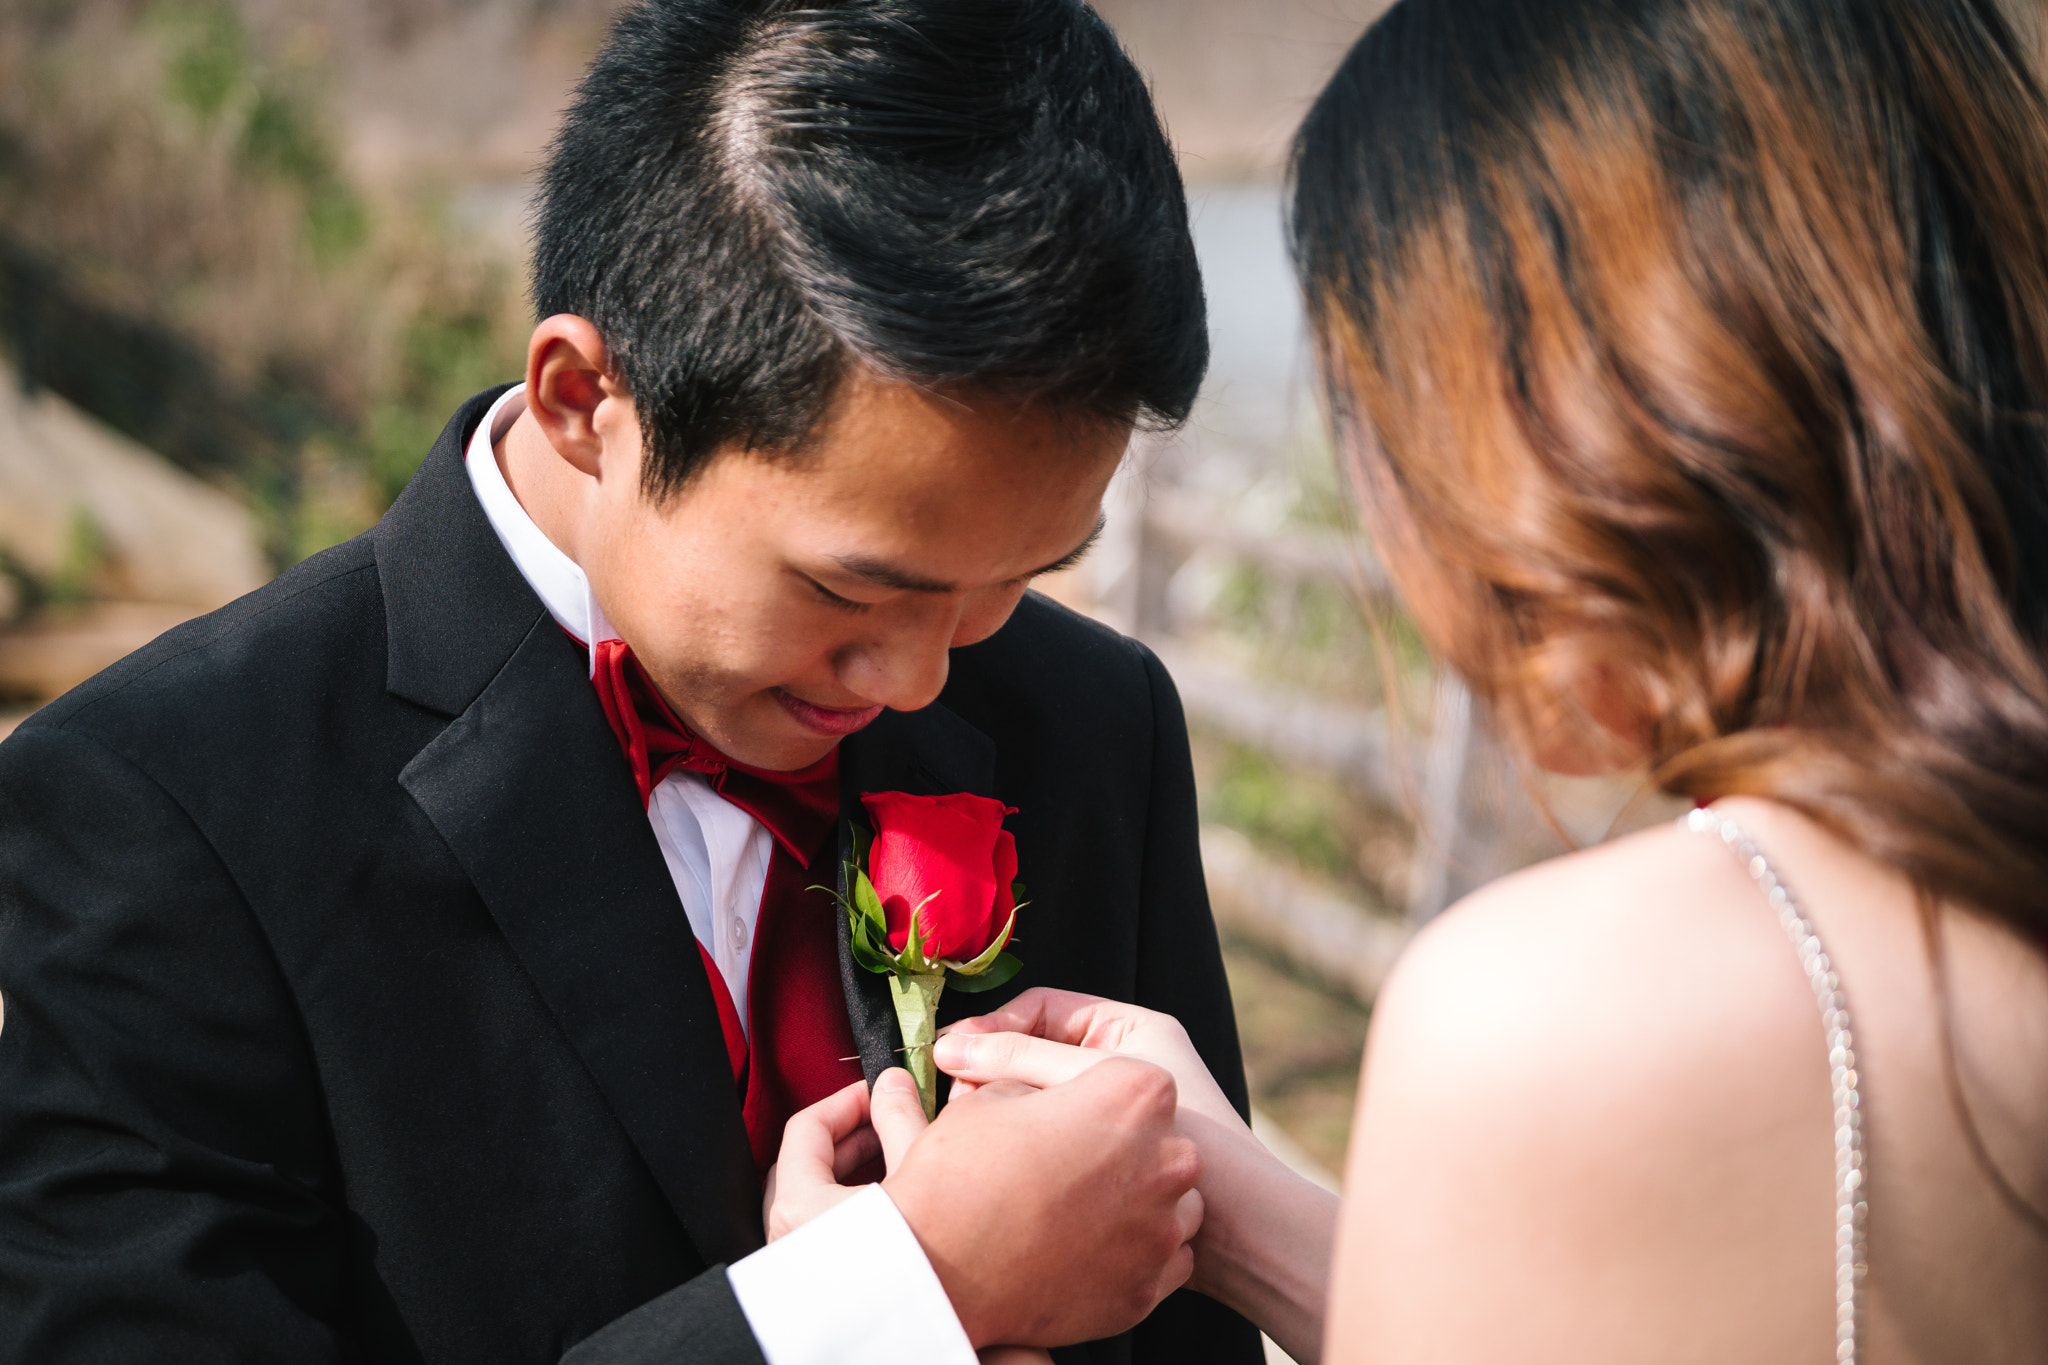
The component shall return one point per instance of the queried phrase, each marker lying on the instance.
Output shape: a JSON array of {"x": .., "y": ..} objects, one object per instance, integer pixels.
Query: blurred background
[{"x": 253, "y": 253}]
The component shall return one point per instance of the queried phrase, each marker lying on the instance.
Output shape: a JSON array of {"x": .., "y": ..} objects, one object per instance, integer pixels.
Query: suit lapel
[
  {"x": 528, "y": 789},
  {"x": 928, "y": 753}
]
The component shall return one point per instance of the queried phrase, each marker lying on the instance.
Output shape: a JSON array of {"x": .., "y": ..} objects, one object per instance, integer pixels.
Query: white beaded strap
[{"x": 1850, "y": 1205}]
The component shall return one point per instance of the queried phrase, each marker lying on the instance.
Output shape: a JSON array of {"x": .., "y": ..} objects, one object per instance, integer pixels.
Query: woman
[{"x": 1691, "y": 360}]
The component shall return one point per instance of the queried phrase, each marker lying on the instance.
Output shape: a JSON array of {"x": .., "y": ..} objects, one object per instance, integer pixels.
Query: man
[{"x": 418, "y": 959}]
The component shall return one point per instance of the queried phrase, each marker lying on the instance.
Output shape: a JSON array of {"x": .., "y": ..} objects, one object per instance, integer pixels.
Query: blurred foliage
[
  {"x": 181, "y": 168},
  {"x": 209, "y": 58},
  {"x": 1320, "y": 636},
  {"x": 1324, "y": 637},
  {"x": 1312, "y": 633},
  {"x": 1252, "y": 792},
  {"x": 1305, "y": 817},
  {"x": 1302, "y": 1048},
  {"x": 85, "y": 555},
  {"x": 447, "y": 358}
]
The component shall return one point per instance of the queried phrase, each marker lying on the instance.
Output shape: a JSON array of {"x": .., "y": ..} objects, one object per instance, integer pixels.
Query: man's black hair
[{"x": 750, "y": 199}]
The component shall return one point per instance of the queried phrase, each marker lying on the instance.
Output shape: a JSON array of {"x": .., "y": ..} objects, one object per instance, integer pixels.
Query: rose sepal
[
  {"x": 999, "y": 972},
  {"x": 992, "y": 968},
  {"x": 870, "y": 942}
]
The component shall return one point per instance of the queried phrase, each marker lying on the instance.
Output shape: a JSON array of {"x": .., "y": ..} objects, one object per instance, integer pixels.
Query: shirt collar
[{"x": 554, "y": 577}]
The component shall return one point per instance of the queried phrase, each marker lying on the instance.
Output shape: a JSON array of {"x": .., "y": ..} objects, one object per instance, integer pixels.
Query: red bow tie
[{"x": 798, "y": 808}]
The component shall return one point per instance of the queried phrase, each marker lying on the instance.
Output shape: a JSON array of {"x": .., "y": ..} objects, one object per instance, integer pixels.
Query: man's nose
[{"x": 904, "y": 668}]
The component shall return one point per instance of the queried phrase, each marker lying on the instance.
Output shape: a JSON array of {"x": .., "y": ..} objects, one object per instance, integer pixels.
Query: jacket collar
[{"x": 455, "y": 607}]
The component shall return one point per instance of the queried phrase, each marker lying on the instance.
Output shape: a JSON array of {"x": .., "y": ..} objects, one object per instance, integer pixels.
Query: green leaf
[
  {"x": 872, "y": 961},
  {"x": 1000, "y": 971},
  {"x": 870, "y": 951},
  {"x": 987, "y": 955},
  {"x": 865, "y": 950},
  {"x": 870, "y": 903}
]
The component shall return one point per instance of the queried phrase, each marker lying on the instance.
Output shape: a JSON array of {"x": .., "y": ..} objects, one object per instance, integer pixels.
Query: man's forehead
[{"x": 885, "y": 574}]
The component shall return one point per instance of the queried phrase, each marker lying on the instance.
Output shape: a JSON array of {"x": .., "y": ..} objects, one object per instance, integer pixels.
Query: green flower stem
[{"x": 917, "y": 1013}]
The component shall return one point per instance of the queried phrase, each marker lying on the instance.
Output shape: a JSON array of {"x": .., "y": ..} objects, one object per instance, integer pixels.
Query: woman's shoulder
[
  {"x": 1654, "y": 948},
  {"x": 1617, "y": 1058}
]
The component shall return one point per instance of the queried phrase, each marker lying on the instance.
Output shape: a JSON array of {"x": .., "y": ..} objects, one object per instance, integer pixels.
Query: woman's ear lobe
[{"x": 567, "y": 380}]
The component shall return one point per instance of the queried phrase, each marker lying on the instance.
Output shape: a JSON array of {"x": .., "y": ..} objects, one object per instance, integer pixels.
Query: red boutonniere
[{"x": 934, "y": 905}]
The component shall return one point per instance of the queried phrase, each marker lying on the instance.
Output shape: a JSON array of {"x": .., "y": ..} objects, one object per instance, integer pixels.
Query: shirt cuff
[{"x": 850, "y": 1287}]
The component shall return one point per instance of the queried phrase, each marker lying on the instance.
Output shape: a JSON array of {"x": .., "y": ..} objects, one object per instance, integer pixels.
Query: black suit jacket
[{"x": 351, "y": 1013}]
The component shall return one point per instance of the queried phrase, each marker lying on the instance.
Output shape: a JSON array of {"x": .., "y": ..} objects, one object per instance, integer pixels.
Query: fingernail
[
  {"x": 895, "y": 1078},
  {"x": 953, "y": 1052}
]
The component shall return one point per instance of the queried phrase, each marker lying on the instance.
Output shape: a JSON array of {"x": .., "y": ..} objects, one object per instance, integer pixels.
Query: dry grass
[{"x": 188, "y": 173}]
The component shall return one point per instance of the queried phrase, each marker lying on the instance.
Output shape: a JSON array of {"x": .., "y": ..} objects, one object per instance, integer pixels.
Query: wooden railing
[{"x": 1440, "y": 776}]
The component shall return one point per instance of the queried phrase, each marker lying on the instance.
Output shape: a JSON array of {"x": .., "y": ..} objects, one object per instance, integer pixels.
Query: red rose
[{"x": 950, "y": 859}]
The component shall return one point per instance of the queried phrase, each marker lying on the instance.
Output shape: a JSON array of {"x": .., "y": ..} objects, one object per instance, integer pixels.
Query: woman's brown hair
[{"x": 1692, "y": 356}]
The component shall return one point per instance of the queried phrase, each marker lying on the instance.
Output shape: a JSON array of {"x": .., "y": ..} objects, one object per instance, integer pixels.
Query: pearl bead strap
[{"x": 1851, "y": 1206}]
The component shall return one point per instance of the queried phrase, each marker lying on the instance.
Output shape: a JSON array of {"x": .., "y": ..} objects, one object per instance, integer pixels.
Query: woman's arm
[{"x": 1264, "y": 1248}]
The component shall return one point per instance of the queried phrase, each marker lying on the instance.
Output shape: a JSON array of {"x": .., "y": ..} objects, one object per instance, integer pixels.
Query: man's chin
[
  {"x": 788, "y": 758},
  {"x": 770, "y": 737}
]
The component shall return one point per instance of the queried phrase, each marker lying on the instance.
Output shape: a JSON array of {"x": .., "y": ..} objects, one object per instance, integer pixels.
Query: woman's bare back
[
  {"x": 1956, "y": 1272},
  {"x": 1597, "y": 1122}
]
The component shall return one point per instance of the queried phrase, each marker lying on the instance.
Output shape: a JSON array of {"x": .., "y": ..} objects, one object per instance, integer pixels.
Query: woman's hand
[
  {"x": 1264, "y": 1247},
  {"x": 1045, "y": 1036}
]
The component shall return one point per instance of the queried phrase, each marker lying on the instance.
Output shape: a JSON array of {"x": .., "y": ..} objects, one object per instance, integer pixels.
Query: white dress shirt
[{"x": 808, "y": 1298}]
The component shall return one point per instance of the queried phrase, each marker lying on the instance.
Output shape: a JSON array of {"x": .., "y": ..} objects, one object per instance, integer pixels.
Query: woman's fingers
[
  {"x": 982, "y": 1058},
  {"x": 1112, "y": 1029},
  {"x": 1061, "y": 1016},
  {"x": 1178, "y": 1271}
]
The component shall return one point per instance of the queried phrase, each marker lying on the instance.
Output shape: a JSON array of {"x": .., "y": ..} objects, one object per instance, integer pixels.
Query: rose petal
[{"x": 938, "y": 853}]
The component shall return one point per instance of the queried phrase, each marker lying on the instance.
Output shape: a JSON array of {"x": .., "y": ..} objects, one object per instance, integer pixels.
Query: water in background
[{"x": 1257, "y": 405}]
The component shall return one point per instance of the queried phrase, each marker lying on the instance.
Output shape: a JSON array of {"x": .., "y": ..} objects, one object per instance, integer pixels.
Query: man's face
[{"x": 780, "y": 605}]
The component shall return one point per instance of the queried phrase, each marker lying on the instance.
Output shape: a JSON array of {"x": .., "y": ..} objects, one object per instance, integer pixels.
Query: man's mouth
[{"x": 825, "y": 720}]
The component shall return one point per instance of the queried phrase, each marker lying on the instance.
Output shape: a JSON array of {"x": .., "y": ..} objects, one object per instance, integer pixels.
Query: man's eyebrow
[
  {"x": 883, "y": 574},
  {"x": 886, "y": 575},
  {"x": 1078, "y": 553}
]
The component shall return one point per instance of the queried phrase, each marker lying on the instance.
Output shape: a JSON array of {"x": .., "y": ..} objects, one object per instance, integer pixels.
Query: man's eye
[{"x": 833, "y": 599}]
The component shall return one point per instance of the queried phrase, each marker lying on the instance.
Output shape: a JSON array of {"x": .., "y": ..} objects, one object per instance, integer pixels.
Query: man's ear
[{"x": 568, "y": 387}]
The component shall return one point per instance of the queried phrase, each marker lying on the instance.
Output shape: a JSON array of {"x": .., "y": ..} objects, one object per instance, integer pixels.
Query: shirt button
[{"x": 739, "y": 934}]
